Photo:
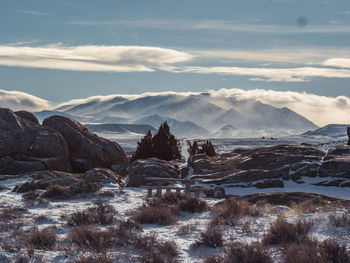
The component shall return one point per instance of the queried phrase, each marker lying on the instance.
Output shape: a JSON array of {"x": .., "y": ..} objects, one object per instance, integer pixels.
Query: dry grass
[
  {"x": 41, "y": 239},
  {"x": 155, "y": 213},
  {"x": 283, "y": 232},
  {"x": 340, "y": 220},
  {"x": 187, "y": 229},
  {"x": 229, "y": 211},
  {"x": 329, "y": 251},
  {"x": 92, "y": 239},
  {"x": 308, "y": 205},
  {"x": 211, "y": 237},
  {"x": 94, "y": 259},
  {"x": 238, "y": 253},
  {"x": 155, "y": 250}
]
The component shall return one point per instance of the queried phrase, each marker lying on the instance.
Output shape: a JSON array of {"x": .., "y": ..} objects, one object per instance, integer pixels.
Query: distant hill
[
  {"x": 178, "y": 128},
  {"x": 120, "y": 128},
  {"x": 330, "y": 130}
]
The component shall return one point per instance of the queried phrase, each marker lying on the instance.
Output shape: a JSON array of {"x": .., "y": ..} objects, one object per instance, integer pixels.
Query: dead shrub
[
  {"x": 283, "y": 232},
  {"x": 30, "y": 196},
  {"x": 308, "y": 205},
  {"x": 94, "y": 259},
  {"x": 340, "y": 220},
  {"x": 41, "y": 239},
  {"x": 187, "y": 229},
  {"x": 41, "y": 217},
  {"x": 107, "y": 194},
  {"x": 214, "y": 259},
  {"x": 229, "y": 211},
  {"x": 92, "y": 239},
  {"x": 332, "y": 251},
  {"x": 211, "y": 237},
  {"x": 155, "y": 250},
  {"x": 154, "y": 213},
  {"x": 238, "y": 253},
  {"x": 192, "y": 205},
  {"x": 84, "y": 187},
  {"x": 56, "y": 191},
  {"x": 127, "y": 232},
  {"x": 102, "y": 214}
]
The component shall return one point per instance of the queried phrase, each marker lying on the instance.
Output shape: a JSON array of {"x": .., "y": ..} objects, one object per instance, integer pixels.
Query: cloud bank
[
  {"x": 92, "y": 58},
  {"x": 16, "y": 100},
  {"x": 148, "y": 59},
  {"x": 321, "y": 110}
]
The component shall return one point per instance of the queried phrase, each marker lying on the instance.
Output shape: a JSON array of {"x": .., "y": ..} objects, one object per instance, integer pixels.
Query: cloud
[
  {"x": 273, "y": 74},
  {"x": 148, "y": 59},
  {"x": 33, "y": 13},
  {"x": 219, "y": 25},
  {"x": 16, "y": 100},
  {"x": 321, "y": 110},
  {"x": 337, "y": 62},
  {"x": 92, "y": 58}
]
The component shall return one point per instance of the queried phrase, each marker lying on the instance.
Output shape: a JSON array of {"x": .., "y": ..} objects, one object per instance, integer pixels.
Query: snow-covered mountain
[
  {"x": 190, "y": 115},
  {"x": 330, "y": 130},
  {"x": 179, "y": 128},
  {"x": 121, "y": 128}
]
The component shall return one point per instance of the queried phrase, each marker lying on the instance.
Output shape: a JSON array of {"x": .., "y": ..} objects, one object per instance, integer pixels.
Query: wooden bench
[{"x": 159, "y": 187}]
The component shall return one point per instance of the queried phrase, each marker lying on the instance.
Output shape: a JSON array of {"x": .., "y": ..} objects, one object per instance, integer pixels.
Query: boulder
[
  {"x": 27, "y": 116},
  {"x": 336, "y": 167},
  {"x": 75, "y": 182},
  {"x": 263, "y": 167},
  {"x": 26, "y": 146},
  {"x": 86, "y": 150},
  {"x": 139, "y": 170},
  {"x": 44, "y": 179},
  {"x": 102, "y": 175}
]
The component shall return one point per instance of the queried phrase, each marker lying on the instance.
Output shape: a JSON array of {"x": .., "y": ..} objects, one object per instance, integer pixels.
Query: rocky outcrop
[
  {"x": 27, "y": 146},
  {"x": 152, "y": 167},
  {"x": 86, "y": 150},
  {"x": 44, "y": 179},
  {"x": 262, "y": 168},
  {"x": 27, "y": 116}
]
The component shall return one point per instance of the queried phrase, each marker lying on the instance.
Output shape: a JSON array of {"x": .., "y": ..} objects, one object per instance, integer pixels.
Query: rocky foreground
[
  {"x": 63, "y": 152},
  {"x": 63, "y": 199}
]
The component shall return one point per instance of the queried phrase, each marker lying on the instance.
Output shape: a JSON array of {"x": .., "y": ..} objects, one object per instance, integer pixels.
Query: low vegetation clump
[
  {"x": 238, "y": 253},
  {"x": 156, "y": 250},
  {"x": 92, "y": 239},
  {"x": 283, "y": 232},
  {"x": 94, "y": 259},
  {"x": 183, "y": 202},
  {"x": 340, "y": 220},
  {"x": 328, "y": 251},
  {"x": 56, "y": 191},
  {"x": 187, "y": 229},
  {"x": 41, "y": 239},
  {"x": 230, "y": 210},
  {"x": 153, "y": 213},
  {"x": 211, "y": 237}
]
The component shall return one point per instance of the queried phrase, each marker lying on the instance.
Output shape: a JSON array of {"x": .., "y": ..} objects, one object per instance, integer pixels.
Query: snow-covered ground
[{"x": 130, "y": 198}]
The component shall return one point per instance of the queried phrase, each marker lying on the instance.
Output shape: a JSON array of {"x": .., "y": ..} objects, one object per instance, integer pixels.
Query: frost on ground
[{"x": 42, "y": 230}]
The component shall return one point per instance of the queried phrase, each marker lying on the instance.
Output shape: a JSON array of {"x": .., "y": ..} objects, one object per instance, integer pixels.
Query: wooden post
[
  {"x": 178, "y": 191},
  {"x": 159, "y": 189},
  {"x": 188, "y": 189},
  {"x": 167, "y": 191},
  {"x": 149, "y": 192},
  {"x": 196, "y": 192}
]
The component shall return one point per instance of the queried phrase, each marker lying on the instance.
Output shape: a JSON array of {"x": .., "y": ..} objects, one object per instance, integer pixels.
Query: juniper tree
[{"x": 144, "y": 148}]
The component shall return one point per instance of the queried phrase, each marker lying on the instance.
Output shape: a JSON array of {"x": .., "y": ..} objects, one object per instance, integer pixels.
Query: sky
[{"x": 59, "y": 50}]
